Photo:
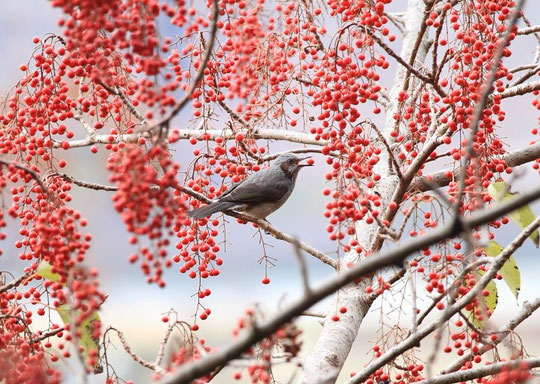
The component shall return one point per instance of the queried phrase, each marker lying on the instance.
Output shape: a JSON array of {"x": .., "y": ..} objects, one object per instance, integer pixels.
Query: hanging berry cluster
[
  {"x": 148, "y": 202},
  {"x": 475, "y": 37},
  {"x": 49, "y": 234}
]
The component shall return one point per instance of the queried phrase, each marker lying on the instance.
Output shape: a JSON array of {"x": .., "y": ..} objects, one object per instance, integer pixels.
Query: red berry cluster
[
  {"x": 21, "y": 361},
  {"x": 147, "y": 204},
  {"x": 97, "y": 30},
  {"x": 49, "y": 233}
]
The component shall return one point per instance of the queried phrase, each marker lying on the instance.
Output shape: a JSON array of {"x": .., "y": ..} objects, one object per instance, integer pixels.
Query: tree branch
[
  {"x": 153, "y": 366},
  {"x": 14, "y": 283},
  {"x": 521, "y": 89},
  {"x": 482, "y": 371},
  {"x": 528, "y": 30},
  {"x": 32, "y": 173},
  {"x": 440, "y": 179},
  {"x": 200, "y": 134},
  {"x": 260, "y": 223}
]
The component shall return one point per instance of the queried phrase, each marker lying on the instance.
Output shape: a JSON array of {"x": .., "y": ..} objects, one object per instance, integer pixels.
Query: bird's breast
[{"x": 261, "y": 211}]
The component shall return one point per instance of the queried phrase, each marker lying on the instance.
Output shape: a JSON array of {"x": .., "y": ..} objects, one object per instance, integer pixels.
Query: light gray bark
[{"x": 325, "y": 362}]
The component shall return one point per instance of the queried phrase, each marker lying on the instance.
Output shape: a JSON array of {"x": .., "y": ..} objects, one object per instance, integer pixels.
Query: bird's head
[{"x": 290, "y": 164}]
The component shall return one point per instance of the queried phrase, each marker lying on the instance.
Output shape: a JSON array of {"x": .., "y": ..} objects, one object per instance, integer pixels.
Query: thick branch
[
  {"x": 440, "y": 179},
  {"x": 395, "y": 256},
  {"x": 210, "y": 134},
  {"x": 529, "y": 30},
  {"x": 482, "y": 371},
  {"x": 521, "y": 89}
]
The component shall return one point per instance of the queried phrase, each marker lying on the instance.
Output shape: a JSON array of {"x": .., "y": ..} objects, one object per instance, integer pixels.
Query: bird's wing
[{"x": 260, "y": 188}]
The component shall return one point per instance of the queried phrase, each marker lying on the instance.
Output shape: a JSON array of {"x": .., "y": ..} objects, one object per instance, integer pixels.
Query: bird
[{"x": 261, "y": 193}]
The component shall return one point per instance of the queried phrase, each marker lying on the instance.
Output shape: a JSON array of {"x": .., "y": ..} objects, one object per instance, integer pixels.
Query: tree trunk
[{"x": 325, "y": 362}]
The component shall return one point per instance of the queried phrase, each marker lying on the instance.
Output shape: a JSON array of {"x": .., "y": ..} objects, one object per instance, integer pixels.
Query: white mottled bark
[
  {"x": 266, "y": 134},
  {"x": 326, "y": 360}
]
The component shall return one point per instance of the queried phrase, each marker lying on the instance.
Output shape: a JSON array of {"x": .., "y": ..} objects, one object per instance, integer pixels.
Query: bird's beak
[{"x": 302, "y": 159}]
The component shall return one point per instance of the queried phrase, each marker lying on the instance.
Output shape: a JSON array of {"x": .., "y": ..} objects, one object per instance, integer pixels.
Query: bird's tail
[{"x": 218, "y": 206}]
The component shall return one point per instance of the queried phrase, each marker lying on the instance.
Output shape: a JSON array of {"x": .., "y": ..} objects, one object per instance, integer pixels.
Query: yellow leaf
[
  {"x": 486, "y": 303},
  {"x": 509, "y": 271},
  {"x": 44, "y": 269},
  {"x": 500, "y": 191},
  {"x": 86, "y": 340}
]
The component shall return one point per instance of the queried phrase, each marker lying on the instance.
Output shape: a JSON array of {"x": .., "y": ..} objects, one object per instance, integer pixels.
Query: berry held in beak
[{"x": 309, "y": 162}]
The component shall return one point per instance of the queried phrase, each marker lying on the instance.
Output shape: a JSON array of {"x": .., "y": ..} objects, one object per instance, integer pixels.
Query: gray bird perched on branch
[{"x": 260, "y": 193}]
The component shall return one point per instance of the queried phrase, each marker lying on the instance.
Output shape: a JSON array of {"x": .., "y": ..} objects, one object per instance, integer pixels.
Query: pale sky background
[{"x": 136, "y": 308}]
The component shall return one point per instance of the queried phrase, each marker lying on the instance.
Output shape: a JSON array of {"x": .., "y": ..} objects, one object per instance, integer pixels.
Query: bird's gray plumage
[{"x": 260, "y": 193}]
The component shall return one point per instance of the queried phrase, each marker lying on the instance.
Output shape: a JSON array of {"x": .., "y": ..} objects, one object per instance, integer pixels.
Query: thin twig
[
  {"x": 31, "y": 172},
  {"x": 13, "y": 284},
  {"x": 86, "y": 184},
  {"x": 135, "y": 357}
]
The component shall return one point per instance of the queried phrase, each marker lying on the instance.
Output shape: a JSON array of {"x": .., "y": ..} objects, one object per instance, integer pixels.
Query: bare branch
[
  {"x": 47, "y": 334},
  {"x": 85, "y": 184},
  {"x": 153, "y": 366},
  {"x": 303, "y": 267},
  {"x": 521, "y": 89},
  {"x": 314, "y": 314},
  {"x": 528, "y": 30},
  {"x": 32, "y": 173},
  {"x": 161, "y": 351},
  {"x": 201, "y": 134},
  {"x": 13, "y": 284}
]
